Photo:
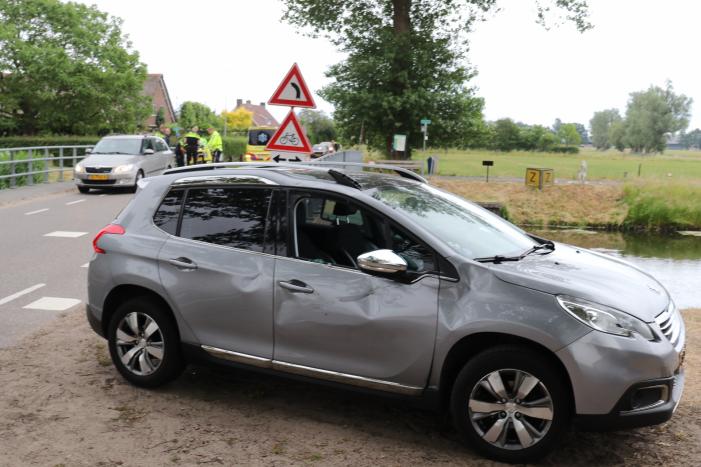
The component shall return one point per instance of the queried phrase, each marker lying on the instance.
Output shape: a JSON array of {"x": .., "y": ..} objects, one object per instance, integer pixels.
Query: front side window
[
  {"x": 234, "y": 217},
  {"x": 336, "y": 231}
]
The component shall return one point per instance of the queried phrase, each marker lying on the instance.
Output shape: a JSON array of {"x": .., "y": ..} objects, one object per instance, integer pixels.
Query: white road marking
[
  {"x": 31, "y": 289},
  {"x": 52, "y": 304},
  {"x": 65, "y": 234},
  {"x": 35, "y": 212},
  {"x": 75, "y": 202},
  {"x": 103, "y": 194},
  {"x": 85, "y": 265}
]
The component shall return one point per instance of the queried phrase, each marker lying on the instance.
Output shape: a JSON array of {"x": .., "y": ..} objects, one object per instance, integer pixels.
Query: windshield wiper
[{"x": 500, "y": 258}]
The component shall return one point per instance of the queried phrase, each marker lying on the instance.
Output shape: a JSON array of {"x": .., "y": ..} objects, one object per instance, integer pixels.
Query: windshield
[
  {"x": 118, "y": 146},
  {"x": 468, "y": 229}
]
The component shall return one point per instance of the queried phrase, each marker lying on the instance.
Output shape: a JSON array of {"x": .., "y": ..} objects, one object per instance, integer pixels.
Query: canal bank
[{"x": 650, "y": 207}]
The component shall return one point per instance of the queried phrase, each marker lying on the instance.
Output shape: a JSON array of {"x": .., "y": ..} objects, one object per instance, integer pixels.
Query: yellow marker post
[{"x": 537, "y": 177}]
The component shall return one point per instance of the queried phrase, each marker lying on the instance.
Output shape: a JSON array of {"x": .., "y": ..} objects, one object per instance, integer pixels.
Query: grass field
[{"x": 612, "y": 165}]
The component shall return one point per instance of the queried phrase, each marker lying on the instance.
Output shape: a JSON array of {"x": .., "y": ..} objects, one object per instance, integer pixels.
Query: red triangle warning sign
[
  {"x": 290, "y": 137},
  {"x": 293, "y": 91}
]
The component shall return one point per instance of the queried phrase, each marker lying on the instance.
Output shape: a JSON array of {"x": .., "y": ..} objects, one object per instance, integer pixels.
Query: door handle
[
  {"x": 183, "y": 263},
  {"x": 296, "y": 286}
]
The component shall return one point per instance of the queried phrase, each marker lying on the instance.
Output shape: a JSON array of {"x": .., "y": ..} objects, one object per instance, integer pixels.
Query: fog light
[{"x": 646, "y": 398}]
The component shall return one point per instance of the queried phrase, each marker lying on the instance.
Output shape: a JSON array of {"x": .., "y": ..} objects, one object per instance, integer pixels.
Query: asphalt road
[{"x": 43, "y": 276}]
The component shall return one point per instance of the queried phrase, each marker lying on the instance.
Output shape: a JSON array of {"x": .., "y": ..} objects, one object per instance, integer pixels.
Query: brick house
[
  {"x": 155, "y": 87},
  {"x": 261, "y": 116}
]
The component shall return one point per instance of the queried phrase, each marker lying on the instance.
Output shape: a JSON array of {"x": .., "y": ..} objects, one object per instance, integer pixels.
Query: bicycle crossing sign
[
  {"x": 290, "y": 137},
  {"x": 293, "y": 91}
]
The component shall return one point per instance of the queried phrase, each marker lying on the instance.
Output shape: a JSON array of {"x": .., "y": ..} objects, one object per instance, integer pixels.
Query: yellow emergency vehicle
[{"x": 258, "y": 138}]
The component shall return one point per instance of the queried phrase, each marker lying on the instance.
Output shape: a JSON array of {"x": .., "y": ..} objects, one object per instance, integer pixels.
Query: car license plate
[{"x": 98, "y": 177}]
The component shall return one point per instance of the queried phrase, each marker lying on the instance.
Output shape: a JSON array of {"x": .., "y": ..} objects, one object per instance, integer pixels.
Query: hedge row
[
  {"x": 234, "y": 147},
  {"x": 31, "y": 141}
]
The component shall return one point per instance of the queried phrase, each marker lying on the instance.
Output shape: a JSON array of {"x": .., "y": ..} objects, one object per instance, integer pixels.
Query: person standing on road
[
  {"x": 191, "y": 142},
  {"x": 215, "y": 144}
]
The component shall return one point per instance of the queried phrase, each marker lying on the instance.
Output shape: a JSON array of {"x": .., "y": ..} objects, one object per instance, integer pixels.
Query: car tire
[
  {"x": 144, "y": 343},
  {"x": 84, "y": 190},
  {"x": 139, "y": 176},
  {"x": 522, "y": 420}
]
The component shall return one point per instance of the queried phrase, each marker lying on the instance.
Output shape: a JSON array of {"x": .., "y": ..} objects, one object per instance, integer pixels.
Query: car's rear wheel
[
  {"x": 510, "y": 404},
  {"x": 84, "y": 189},
  {"x": 144, "y": 343}
]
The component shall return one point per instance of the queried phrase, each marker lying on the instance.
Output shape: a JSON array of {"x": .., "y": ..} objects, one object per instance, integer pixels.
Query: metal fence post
[
  {"x": 46, "y": 165},
  {"x": 13, "y": 182},
  {"x": 60, "y": 164},
  {"x": 75, "y": 157},
  {"x": 30, "y": 169}
]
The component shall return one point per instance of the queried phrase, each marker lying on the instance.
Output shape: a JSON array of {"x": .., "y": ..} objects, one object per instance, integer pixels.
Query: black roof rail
[{"x": 405, "y": 173}]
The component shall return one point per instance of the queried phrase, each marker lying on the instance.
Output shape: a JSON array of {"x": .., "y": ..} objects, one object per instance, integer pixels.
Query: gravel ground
[{"x": 62, "y": 403}]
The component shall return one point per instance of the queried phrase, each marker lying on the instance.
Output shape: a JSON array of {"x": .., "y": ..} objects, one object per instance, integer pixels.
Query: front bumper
[
  {"x": 110, "y": 179},
  {"x": 622, "y": 417}
]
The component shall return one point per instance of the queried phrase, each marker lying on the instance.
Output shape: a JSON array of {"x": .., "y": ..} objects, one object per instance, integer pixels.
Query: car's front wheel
[
  {"x": 510, "y": 404},
  {"x": 144, "y": 343},
  {"x": 84, "y": 189}
]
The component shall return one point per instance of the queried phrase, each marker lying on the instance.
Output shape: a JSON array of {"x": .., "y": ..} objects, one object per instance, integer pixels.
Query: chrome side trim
[
  {"x": 344, "y": 378},
  {"x": 223, "y": 180},
  {"x": 238, "y": 357},
  {"x": 353, "y": 380}
]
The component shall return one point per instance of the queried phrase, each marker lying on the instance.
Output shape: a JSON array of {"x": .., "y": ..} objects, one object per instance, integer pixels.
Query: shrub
[
  {"x": 31, "y": 141},
  {"x": 663, "y": 207},
  {"x": 21, "y": 167},
  {"x": 565, "y": 149},
  {"x": 234, "y": 147}
]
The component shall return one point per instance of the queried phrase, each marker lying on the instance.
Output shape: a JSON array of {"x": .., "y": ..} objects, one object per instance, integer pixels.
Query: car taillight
[{"x": 111, "y": 229}]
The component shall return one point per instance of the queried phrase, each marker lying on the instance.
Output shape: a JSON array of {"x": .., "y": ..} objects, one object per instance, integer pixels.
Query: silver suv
[{"x": 388, "y": 284}]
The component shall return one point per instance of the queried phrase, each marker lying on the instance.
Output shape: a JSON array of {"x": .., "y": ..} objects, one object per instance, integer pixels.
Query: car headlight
[
  {"x": 605, "y": 319},
  {"x": 79, "y": 169},
  {"x": 123, "y": 168}
]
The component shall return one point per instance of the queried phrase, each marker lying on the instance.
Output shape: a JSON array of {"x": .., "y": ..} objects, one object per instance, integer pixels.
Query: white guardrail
[{"x": 21, "y": 166}]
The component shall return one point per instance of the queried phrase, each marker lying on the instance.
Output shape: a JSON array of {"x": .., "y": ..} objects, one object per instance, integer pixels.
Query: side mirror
[
  {"x": 148, "y": 151},
  {"x": 384, "y": 261},
  {"x": 88, "y": 151}
]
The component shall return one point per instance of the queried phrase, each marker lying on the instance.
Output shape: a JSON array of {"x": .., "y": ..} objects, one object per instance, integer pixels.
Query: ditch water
[{"x": 674, "y": 260}]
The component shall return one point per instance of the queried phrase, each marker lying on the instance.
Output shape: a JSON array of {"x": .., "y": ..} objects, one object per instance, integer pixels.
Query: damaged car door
[{"x": 335, "y": 321}]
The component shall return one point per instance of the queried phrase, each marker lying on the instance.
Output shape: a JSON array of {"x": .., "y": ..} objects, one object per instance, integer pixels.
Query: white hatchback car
[{"x": 121, "y": 161}]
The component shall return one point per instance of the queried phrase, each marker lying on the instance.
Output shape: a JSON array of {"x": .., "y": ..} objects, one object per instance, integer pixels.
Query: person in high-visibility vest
[
  {"x": 215, "y": 144},
  {"x": 203, "y": 153},
  {"x": 191, "y": 141}
]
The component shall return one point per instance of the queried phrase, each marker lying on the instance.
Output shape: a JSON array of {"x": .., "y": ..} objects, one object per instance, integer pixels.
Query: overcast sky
[{"x": 242, "y": 50}]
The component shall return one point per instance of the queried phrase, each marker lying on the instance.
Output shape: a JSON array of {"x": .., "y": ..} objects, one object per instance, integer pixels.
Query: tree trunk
[{"x": 401, "y": 21}]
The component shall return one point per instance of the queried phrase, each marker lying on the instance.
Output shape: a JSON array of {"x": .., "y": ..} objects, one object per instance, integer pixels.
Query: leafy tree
[
  {"x": 652, "y": 115},
  {"x": 197, "y": 114},
  {"x": 319, "y": 126},
  {"x": 617, "y": 135},
  {"x": 404, "y": 61},
  {"x": 506, "y": 135},
  {"x": 583, "y": 133},
  {"x": 600, "y": 128},
  {"x": 239, "y": 119},
  {"x": 67, "y": 68},
  {"x": 568, "y": 135},
  {"x": 537, "y": 138},
  {"x": 160, "y": 117},
  {"x": 691, "y": 139}
]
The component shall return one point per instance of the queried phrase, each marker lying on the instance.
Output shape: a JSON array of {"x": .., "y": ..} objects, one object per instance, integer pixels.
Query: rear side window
[
  {"x": 166, "y": 218},
  {"x": 234, "y": 217}
]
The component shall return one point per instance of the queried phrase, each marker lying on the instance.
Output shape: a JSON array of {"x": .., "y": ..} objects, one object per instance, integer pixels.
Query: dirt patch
[
  {"x": 577, "y": 205},
  {"x": 61, "y": 405}
]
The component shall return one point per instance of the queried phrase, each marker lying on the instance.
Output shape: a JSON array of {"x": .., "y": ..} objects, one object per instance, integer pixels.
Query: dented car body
[{"x": 384, "y": 283}]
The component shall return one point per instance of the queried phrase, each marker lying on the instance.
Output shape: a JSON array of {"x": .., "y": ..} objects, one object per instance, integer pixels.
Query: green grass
[
  {"x": 612, "y": 165},
  {"x": 661, "y": 207}
]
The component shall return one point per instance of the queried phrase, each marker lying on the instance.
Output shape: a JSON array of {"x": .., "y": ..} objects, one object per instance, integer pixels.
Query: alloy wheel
[
  {"x": 510, "y": 409},
  {"x": 139, "y": 343}
]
